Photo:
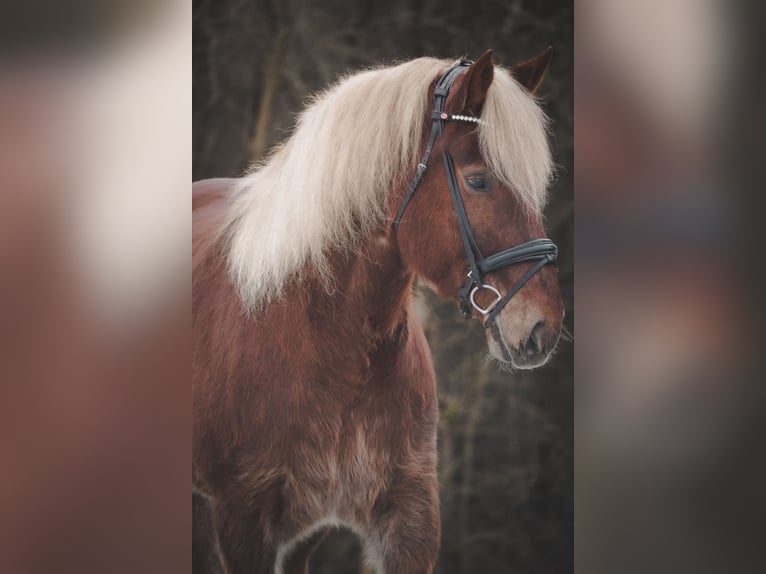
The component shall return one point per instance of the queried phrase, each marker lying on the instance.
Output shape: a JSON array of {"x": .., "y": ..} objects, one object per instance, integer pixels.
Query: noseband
[{"x": 541, "y": 251}]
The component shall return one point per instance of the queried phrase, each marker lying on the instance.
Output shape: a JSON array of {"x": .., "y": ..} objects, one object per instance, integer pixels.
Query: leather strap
[
  {"x": 516, "y": 288},
  {"x": 420, "y": 170},
  {"x": 530, "y": 251},
  {"x": 441, "y": 91}
]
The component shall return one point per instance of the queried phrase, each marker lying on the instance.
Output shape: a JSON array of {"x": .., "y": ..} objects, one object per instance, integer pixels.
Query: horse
[{"x": 314, "y": 396}]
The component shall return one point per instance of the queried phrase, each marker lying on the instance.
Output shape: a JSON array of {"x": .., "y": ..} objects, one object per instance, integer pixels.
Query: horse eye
[{"x": 477, "y": 182}]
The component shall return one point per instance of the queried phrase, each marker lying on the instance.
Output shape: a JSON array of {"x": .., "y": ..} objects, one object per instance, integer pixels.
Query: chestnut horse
[{"x": 314, "y": 395}]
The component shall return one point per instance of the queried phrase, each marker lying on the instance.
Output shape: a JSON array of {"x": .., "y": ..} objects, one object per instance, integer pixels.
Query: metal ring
[{"x": 492, "y": 305}]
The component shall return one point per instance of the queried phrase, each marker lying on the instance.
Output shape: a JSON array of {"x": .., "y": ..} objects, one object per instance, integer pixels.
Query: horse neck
[{"x": 372, "y": 290}]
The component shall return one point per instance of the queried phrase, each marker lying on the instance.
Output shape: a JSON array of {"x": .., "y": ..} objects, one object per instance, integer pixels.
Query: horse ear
[
  {"x": 477, "y": 80},
  {"x": 530, "y": 73}
]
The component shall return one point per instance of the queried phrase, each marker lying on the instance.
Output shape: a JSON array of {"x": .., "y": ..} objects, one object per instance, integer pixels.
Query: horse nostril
[{"x": 535, "y": 344}]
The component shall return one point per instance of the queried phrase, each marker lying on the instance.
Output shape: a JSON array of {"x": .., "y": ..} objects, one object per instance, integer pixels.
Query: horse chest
[{"x": 391, "y": 425}]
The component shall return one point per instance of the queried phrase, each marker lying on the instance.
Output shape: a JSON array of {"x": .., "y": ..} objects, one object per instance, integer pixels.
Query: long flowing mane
[{"x": 325, "y": 188}]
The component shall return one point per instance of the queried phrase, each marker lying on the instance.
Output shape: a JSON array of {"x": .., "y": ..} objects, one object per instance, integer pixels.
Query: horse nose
[{"x": 538, "y": 341}]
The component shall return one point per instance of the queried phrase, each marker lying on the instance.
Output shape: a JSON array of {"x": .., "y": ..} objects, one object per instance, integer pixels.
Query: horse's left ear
[
  {"x": 477, "y": 80},
  {"x": 530, "y": 73}
]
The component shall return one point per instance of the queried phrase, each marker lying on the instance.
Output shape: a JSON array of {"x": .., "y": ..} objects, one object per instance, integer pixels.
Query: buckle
[{"x": 492, "y": 305}]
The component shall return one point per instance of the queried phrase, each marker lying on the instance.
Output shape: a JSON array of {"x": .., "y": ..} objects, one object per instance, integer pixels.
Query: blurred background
[
  {"x": 95, "y": 226},
  {"x": 506, "y": 440},
  {"x": 669, "y": 470}
]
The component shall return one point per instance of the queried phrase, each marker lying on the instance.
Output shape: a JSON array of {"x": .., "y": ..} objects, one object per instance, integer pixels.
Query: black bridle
[{"x": 542, "y": 251}]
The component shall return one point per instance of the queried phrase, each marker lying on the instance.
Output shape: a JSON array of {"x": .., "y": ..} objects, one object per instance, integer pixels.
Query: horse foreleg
[
  {"x": 245, "y": 545},
  {"x": 403, "y": 536},
  {"x": 206, "y": 558}
]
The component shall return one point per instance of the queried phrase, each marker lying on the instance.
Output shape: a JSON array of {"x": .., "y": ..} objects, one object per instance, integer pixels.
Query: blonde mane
[{"x": 326, "y": 187}]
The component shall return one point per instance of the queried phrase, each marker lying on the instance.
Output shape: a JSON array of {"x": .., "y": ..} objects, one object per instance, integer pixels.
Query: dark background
[{"x": 506, "y": 440}]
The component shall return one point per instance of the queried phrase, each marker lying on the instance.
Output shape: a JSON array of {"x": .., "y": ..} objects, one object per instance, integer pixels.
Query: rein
[{"x": 542, "y": 251}]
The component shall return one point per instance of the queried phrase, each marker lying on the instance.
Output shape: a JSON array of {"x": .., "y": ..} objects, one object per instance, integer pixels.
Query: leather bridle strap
[
  {"x": 500, "y": 305},
  {"x": 469, "y": 242},
  {"x": 542, "y": 251},
  {"x": 441, "y": 92},
  {"x": 530, "y": 251}
]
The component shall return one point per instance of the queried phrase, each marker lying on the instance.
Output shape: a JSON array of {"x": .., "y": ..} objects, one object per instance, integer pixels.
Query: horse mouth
[{"x": 510, "y": 356}]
